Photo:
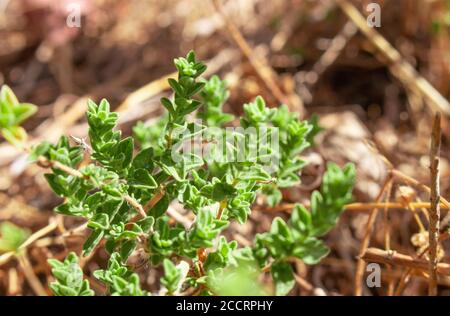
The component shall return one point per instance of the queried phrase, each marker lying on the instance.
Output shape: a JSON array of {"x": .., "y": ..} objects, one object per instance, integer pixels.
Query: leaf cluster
[{"x": 12, "y": 114}]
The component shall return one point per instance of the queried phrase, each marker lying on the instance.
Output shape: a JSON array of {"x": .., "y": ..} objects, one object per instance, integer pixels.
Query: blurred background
[{"x": 309, "y": 54}]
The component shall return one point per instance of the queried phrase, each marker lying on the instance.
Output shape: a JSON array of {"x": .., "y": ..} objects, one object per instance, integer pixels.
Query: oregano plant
[{"x": 202, "y": 161}]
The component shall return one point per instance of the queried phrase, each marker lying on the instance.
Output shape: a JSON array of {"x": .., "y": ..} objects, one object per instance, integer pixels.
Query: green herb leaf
[{"x": 283, "y": 277}]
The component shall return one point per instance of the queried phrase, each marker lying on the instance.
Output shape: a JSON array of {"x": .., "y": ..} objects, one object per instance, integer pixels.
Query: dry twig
[
  {"x": 396, "y": 259},
  {"x": 406, "y": 275},
  {"x": 31, "y": 277},
  {"x": 387, "y": 235},
  {"x": 360, "y": 207},
  {"x": 435, "y": 211},
  {"x": 360, "y": 266}
]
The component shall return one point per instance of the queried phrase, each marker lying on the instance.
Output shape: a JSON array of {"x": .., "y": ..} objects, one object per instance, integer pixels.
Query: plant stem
[
  {"x": 435, "y": 211},
  {"x": 405, "y": 277},
  {"x": 361, "y": 207},
  {"x": 397, "y": 259},
  {"x": 360, "y": 266},
  {"x": 47, "y": 163},
  {"x": 34, "y": 237},
  {"x": 222, "y": 206},
  {"x": 387, "y": 235},
  {"x": 155, "y": 198},
  {"x": 138, "y": 207},
  {"x": 31, "y": 277}
]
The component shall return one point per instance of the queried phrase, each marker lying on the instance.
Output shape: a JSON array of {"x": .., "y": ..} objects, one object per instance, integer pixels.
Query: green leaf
[
  {"x": 125, "y": 148},
  {"x": 222, "y": 191},
  {"x": 144, "y": 159},
  {"x": 12, "y": 114},
  {"x": 222, "y": 257},
  {"x": 176, "y": 86},
  {"x": 15, "y": 135},
  {"x": 39, "y": 150},
  {"x": 168, "y": 105},
  {"x": 197, "y": 87},
  {"x": 160, "y": 208},
  {"x": 146, "y": 224},
  {"x": 283, "y": 276},
  {"x": 311, "y": 251},
  {"x": 11, "y": 237},
  {"x": 92, "y": 241},
  {"x": 172, "y": 276},
  {"x": 168, "y": 165},
  {"x": 99, "y": 221},
  {"x": 8, "y": 97},
  {"x": 326, "y": 207},
  {"x": 256, "y": 174},
  {"x": 127, "y": 249},
  {"x": 191, "y": 56},
  {"x": 316, "y": 128},
  {"x": 273, "y": 195},
  {"x": 23, "y": 111},
  {"x": 301, "y": 219},
  {"x": 55, "y": 183},
  {"x": 280, "y": 229},
  {"x": 143, "y": 180}
]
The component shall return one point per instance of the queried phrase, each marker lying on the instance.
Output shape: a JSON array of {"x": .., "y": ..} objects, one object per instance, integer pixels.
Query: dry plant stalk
[
  {"x": 396, "y": 259},
  {"x": 435, "y": 211},
  {"x": 360, "y": 207},
  {"x": 387, "y": 236},
  {"x": 31, "y": 277},
  {"x": 406, "y": 275},
  {"x": 360, "y": 266}
]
